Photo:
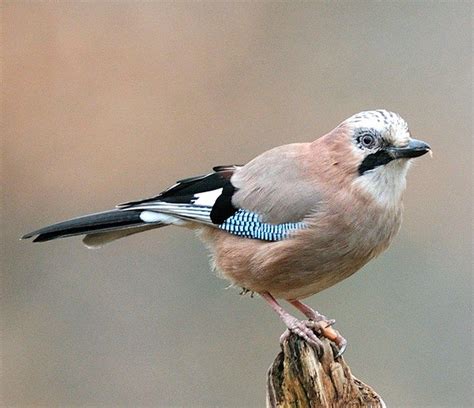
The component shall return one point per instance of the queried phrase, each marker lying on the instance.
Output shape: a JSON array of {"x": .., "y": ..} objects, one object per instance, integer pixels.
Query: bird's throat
[{"x": 384, "y": 183}]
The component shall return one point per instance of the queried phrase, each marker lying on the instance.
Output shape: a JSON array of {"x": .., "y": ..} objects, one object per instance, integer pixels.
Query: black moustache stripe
[{"x": 374, "y": 160}]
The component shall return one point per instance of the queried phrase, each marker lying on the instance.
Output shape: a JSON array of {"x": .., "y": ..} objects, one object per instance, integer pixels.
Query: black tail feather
[{"x": 88, "y": 224}]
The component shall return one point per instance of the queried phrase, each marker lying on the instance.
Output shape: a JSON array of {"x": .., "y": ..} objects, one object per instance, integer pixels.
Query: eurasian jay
[{"x": 295, "y": 220}]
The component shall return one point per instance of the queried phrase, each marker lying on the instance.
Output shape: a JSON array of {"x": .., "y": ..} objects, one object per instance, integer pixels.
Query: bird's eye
[{"x": 367, "y": 140}]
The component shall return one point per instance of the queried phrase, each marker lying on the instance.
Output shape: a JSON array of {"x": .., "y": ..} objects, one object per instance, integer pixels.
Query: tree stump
[{"x": 300, "y": 378}]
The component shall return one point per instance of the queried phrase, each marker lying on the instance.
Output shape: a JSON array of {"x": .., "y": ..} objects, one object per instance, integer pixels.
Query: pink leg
[
  {"x": 298, "y": 327},
  {"x": 325, "y": 325},
  {"x": 307, "y": 311}
]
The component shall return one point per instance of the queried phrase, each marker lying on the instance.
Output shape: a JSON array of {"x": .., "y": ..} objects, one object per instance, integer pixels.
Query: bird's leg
[
  {"x": 324, "y": 325},
  {"x": 303, "y": 329},
  {"x": 309, "y": 312}
]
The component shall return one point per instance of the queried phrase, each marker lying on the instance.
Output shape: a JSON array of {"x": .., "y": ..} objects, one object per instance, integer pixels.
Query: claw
[
  {"x": 341, "y": 343},
  {"x": 333, "y": 335},
  {"x": 284, "y": 336}
]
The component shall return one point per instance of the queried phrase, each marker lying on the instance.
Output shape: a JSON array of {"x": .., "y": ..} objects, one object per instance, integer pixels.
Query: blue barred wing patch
[{"x": 248, "y": 224}]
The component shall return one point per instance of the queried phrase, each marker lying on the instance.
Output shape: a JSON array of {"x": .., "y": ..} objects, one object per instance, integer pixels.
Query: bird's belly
[
  {"x": 310, "y": 282},
  {"x": 307, "y": 279},
  {"x": 286, "y": 269}
]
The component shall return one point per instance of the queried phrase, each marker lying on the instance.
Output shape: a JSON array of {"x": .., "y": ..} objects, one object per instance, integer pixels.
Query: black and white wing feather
[{"x": 206, "y": 199}]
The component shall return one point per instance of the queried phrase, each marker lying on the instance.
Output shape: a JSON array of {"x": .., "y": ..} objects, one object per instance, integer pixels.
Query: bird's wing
[
  {"x": 205, "y": 199},
  {"x": 279, "y": 185},
  {"x": 265, "y": 199}
]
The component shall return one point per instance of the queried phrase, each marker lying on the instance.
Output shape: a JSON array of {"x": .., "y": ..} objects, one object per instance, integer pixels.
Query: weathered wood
[{"x": 300, "y": 378}]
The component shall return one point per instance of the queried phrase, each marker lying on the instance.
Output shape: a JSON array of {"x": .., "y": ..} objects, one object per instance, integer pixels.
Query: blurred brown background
[{"x": 108, "y": 102}]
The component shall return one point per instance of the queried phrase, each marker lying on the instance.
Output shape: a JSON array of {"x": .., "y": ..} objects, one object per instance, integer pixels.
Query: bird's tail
[{"x": 99, "y": 228}]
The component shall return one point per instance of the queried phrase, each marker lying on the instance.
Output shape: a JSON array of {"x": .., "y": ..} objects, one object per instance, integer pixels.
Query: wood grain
[{"x": 300, "y": 378}]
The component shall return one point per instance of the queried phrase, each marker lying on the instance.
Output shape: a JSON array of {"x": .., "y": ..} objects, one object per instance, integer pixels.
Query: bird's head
[
  {"x": 381, "y": 145},
  {"x": 380, "y": 138}
]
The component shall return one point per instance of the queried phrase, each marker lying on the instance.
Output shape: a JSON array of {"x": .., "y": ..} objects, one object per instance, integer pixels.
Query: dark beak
[{"x": 415, "y": 148}]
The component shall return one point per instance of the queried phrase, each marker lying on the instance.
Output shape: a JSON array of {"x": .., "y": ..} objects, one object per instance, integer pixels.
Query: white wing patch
[
  {"x": 198, "y": 210},
  {"x": 208, "y": 198},
  {"x": 151, "y": 216},
  {"x": 172, "y": 213}
]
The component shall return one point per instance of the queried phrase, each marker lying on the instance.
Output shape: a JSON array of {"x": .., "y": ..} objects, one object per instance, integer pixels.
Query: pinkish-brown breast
[{"x": 339, "y": 240}]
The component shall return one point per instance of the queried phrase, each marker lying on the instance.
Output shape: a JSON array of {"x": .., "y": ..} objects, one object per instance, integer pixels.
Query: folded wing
[{"x": 266, "y": 199}]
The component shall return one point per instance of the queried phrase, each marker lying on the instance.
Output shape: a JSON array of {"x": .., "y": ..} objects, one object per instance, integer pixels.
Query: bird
[{"x": 295, "y": 220}]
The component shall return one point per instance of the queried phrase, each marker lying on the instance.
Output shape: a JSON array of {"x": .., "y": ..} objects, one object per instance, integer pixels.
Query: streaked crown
[{"x": 390, "y": 127}]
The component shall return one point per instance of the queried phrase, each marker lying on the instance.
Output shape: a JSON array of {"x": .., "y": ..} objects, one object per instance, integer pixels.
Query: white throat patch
[{"x": 385, "y": 184}]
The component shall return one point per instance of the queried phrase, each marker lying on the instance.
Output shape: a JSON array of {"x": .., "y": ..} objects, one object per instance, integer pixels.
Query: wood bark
[{"x": 300, "y": 378}]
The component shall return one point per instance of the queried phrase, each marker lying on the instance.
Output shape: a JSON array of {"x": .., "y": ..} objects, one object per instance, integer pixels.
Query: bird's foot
[
  {"x": 323, "y": 326},
  {"x": 309, "y": 330},
  {"x": 303, "y": 329}
]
